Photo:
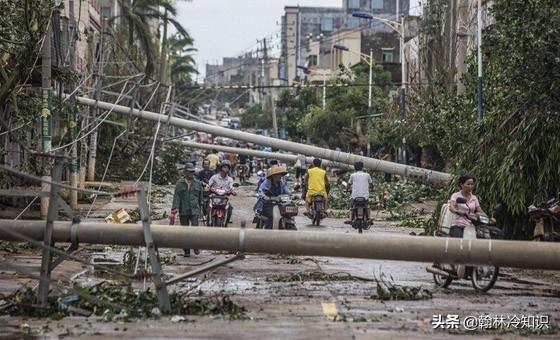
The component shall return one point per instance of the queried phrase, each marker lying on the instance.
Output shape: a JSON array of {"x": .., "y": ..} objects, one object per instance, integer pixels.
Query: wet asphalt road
[{"x": 282, "y": 302}]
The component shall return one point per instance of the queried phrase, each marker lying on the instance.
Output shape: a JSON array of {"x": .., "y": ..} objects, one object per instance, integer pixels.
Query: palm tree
[
  {"x": 181, "y": 61},
  {"x": 166, "y": 20},
  {"x": 138, "y": 14}
]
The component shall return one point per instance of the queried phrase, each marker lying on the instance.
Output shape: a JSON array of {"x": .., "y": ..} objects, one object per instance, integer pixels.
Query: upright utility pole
[
  {"x": 98, "y": 84},
  {"x": 479, "y": 61},
  {"x": 404, "y": 156},
  {"x": 403, "y": 70},
  {"x": 73, "y": 122},
  {"x": 46, "y": 117},
  {"x": 268, "y": 84}
]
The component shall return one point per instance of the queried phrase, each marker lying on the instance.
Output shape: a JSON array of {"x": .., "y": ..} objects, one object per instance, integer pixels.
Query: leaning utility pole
[
  {"x": 46, "y": 117},
  {"x": 98, "y": 84},
  {"x": 333, "y": 155},
  {"x": 270, "y": 96}
]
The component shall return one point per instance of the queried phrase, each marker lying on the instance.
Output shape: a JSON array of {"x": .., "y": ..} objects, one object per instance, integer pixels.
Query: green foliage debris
[{"x": 116, "y": 301}]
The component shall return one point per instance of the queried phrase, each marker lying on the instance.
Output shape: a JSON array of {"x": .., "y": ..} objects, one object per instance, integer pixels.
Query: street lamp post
[
  {"x": 403, "y": 71},
  {"x": 370, "y": 81},
  {"x": 369, "y": 60},
  {"x": 399, "y": 28}
]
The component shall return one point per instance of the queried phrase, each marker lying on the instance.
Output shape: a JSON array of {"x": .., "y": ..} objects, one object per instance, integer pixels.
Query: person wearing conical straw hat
[{"x": 272, "y": 186}]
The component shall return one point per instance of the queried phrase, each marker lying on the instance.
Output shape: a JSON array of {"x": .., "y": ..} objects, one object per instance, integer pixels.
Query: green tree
[
  {"x": 293, "y": 106},
  {"x": 343, "y": 121},
  {"x": 516, "y": 155},
  {"x": 138, "y": 15},
  {"x": 513, "y": 153},
  {"x": 256, "y": 117},
  {"x": 181, "y": 61}
]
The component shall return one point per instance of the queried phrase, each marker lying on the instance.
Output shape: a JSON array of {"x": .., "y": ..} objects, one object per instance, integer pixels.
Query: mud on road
[{"x": 308, "y": 297}]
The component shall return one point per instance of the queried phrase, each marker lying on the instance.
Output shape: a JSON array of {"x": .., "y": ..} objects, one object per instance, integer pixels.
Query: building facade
[{"x": 309, "y": 34}]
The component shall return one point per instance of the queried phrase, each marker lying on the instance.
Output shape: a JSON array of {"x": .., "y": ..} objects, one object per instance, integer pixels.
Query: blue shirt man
[{"x": 272, "y": 186}]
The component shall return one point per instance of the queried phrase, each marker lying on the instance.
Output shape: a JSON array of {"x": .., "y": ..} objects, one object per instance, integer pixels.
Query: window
[
  {"x": 106, "y": 12},
  {"x": 312, "y": 60},
  {"x": 327, "y": 24},
  {"x": 353, "y": 22},
  {"x": 353, "y": 4},
  {"x": 377, "y": 4},
  {"x": 387, "y": 55}
]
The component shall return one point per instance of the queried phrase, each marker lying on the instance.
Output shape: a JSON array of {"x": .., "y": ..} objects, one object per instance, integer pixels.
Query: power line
[
  {"x": 101, "y": 122},
  {"x": 62, "y": 185},
  {"x": 253, "y": 87}
]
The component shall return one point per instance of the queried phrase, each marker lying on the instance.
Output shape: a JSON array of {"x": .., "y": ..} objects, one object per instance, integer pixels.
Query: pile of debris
[{"x": 115, "y": 301}]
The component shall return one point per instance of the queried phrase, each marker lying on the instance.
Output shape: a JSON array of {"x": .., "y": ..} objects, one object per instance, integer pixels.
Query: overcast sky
[{"x": 225, "y": 28}]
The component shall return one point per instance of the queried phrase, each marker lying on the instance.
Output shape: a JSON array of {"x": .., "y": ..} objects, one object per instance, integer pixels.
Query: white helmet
[{"x": 260, "y": 173}]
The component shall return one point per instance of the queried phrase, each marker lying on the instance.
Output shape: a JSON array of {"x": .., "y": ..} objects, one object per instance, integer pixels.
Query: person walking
[
  {"x": 301, "y": 168},
  {"x": 187, "y": 201}
]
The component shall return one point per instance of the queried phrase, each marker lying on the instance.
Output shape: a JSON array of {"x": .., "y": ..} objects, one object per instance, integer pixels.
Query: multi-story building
[
  {"x": 309, "y": 33},
  {"x": 446, "y": 53},
  {"x": 301, "y": 25}
]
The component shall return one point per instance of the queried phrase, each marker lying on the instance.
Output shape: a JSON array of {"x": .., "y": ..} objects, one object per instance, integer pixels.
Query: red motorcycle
[{"x": 218, "y": 207}]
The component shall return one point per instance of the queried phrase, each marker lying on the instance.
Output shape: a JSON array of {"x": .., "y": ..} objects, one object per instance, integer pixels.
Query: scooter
[
  {"x": 482, "y": 278},
  {"x": 283, "y": 212},
  {"x": 218, "y": 206},
  {"x": 243, "y": 173},
  {"x": 317, "y": 209},
  {"x": 547, "y": 220},
  {"x": 360, "y": 212},
  {"x": 205, "y": 203}
]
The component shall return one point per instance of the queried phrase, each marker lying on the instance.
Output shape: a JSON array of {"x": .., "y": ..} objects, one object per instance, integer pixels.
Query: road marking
[{"x": 330, "y": 311}]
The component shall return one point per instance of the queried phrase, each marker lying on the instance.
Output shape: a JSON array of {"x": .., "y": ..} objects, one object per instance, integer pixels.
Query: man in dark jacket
[
  {"x": 187, "y": 200},
  {"x": 205, "y": 174}
]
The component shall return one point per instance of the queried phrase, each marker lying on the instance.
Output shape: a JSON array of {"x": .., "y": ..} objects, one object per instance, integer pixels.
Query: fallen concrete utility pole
[
  {"x": 520, "y": 254},
  {"x": 431, "y": 176},
  {"x": 256, "y": 153}
]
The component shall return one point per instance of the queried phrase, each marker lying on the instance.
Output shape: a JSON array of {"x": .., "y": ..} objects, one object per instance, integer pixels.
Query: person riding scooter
[
  {"x": 317, "y": 184},
  {"x": 271, "y": 187},
  {"x": 221, "y": 180},
  {"x": 359, "y": 183},
  {"x": 460, "y": 221}
]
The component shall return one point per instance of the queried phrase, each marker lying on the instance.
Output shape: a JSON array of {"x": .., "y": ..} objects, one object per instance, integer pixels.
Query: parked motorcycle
[
  {"x": 317, "y": 209},
  {"x": 482, "y": 278},
  {"x": 218, "y": 206},
  {"x": 283, "y": 212},
  {"x": 547, "y": 220}
]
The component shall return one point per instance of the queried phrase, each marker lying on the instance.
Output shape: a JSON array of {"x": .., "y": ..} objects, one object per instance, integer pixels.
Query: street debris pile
[
  {"x": 412, "y": 219},
  {"x": 387, "y": 289},
  {"x": 16, "y": 248},
  {"x": 115, "y": 301},
  {"x": 120, "y": 216},
  {"x": 390, "y": 195},
  {"x": 315, "y": 276},
  {"x": 393, "y": 197}
]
